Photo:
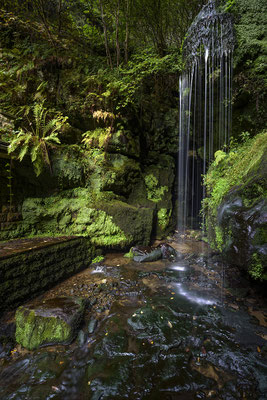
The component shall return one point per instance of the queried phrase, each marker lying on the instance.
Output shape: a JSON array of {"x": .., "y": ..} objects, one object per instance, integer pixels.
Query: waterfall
[{"x": 205, "y": 106}]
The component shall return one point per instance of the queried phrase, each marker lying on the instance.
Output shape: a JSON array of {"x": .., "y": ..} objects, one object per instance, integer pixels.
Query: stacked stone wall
[{"x": 25, "y": 273}]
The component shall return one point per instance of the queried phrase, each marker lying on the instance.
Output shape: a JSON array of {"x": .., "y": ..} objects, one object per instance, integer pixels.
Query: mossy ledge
[
  {"x": 25, "y": 274},
  {"x": 236, "y": 206}
]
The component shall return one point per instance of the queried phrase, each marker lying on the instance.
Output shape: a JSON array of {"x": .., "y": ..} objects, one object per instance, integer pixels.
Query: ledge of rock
[{"x": 54, "y": 321}]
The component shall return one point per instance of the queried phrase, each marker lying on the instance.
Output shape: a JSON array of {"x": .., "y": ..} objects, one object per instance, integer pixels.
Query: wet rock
[
  {"x": 146, "y": 254},
  {"x": 168, "y": 252},
  {"x": 92, "y": 326},
  {"x": 54, "y": 321},
  {"x": 5, "y": 348},
  {"x": 81, "y": 338},
  {"x": 93, "y": 301},
  {"x": 245, "y": 229}
]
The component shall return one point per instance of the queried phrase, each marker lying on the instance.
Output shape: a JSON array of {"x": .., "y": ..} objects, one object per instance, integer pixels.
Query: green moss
[
  {"x": 154, "y": 191},
  {"x": 250, "y": 57},
  {"x": 256, "y": 269},
  {"x": 164, "y": 218},
  {"x": 102, "y": 217},
  {"x": 129, "y": 254},
  {"x": 98, "y": 259},
  {"x": 68, "y": 166},
  {"x": 219, "y": 238},
  {"x": 37, "y": 328},
  {"x": 260, "y": 237},
  {"x": 54, "y": 331},
  {"x": 236, "y": 169}
]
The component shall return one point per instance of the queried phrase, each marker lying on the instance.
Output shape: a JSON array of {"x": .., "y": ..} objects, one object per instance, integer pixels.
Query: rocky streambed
[{"x": 189, "y": 329}]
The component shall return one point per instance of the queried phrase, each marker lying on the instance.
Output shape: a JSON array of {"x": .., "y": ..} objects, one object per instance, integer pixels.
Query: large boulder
[
  {"x": 104, "y": 218},
  {"x": 54, "y": 321},
  {"x": 245, "y": 232},
  {"x": 236, "y": 206}
]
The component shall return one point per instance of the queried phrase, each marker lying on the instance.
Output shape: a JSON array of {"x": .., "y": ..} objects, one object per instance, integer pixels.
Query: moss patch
[
  {"x": 154, "y": 191},
  {"x": 103, "y": 217},
  {"x": 256, "y": 269},
  {"x": 52, "y": 322}
]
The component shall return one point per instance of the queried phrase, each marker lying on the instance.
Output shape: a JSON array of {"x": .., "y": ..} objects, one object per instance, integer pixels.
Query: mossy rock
[
  {"x": 250, "y": 57},
  {"x": 103, "y": 217},
  {"x": 120, "y": 174},
  {"x": 161, "y": 135},
  {"x": 242, "y": 231},
  {"x": 135, "y": 222},
  {"x": 236, "y": 205},
  {"x": 155, "y": 191},
  {"x": 54, "y": 321},
  {"x": 68, "y": 168}
]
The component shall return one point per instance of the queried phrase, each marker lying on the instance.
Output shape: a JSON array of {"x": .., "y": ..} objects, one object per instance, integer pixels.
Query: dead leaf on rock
[
  {"x": 212, "y": 372},
  {"x": 259, "y": 315},
  {"x": 234, "y": 306},
  {"x": 264, "y": 336},
  {"x": 169, "y": 324}
]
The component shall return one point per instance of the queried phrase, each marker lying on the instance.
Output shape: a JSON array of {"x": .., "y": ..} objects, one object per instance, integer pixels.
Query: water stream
[
  {"x": 161, "y": 333},
  {"x": 205, "y": 106}
]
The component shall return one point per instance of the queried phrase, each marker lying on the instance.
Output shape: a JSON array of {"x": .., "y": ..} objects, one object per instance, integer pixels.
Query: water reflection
[
  {"x": 177, "y": 267},
  {"x": 193, "y": 296},
  {"x": 99, "y": 270}
]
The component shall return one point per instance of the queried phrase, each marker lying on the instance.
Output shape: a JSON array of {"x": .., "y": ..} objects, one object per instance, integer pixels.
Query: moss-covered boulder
[
  {"x": 244, "y": 231},
  {"x": 104, "y": 218},
  {"x": 155, "y": 191},
  {"x": 54, "y": 321},
  {"x": 236, "y": 206}
]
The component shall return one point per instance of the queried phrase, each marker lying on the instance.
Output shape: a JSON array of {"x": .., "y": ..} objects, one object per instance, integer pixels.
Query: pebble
[{"x": 92, "y": 325}]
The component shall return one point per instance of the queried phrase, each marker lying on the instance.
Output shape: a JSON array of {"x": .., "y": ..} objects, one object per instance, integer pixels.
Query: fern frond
[
  {"x": 38, "y": 166},
  {"x": 16, "y": 142},
  {"x": 35, "y": 151},
  {"x": 52, "y": 138},
  {"x": 49, "y": 126},
  {"x": 23, "y": 151}
]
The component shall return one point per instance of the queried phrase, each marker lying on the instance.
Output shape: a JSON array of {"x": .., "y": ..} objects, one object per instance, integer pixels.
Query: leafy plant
[
  {"x": 42, "y": 131},
  {"x": 98, "y": 259},
  {"x": 229, "y": 5},
  {"x": 256, "y": 269}
]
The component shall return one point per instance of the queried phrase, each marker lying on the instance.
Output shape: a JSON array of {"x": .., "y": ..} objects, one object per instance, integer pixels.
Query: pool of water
[{"x": 162, "y": 330}]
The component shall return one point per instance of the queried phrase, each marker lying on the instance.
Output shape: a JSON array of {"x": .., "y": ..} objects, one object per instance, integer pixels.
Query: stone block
[
  {"x": 8, "y": 226},
  {"x": 54, "y": 321}
]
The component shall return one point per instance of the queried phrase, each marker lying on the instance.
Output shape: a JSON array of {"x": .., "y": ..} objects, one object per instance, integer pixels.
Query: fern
[{"x": 35, "y": 140}]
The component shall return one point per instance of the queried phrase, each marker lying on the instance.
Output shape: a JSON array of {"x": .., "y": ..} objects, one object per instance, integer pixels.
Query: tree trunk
[
  {"x": 109, "y": 61},
  {"x": 59, "y": 17},
  {"x": 126, "y": 42},
  {"x": 117, "y": 33}
]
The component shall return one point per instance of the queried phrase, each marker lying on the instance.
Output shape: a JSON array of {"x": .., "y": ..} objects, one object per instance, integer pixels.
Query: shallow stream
[{"x": 183, "y": 330}]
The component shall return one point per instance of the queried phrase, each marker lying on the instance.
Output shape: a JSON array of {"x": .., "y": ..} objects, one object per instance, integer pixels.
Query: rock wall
[
  {"x": 236, "y": 206},
  {"x": 250, "y": 58},
  {"x": 24, "y": 273},
  {"x": 115, "y": 199}
]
